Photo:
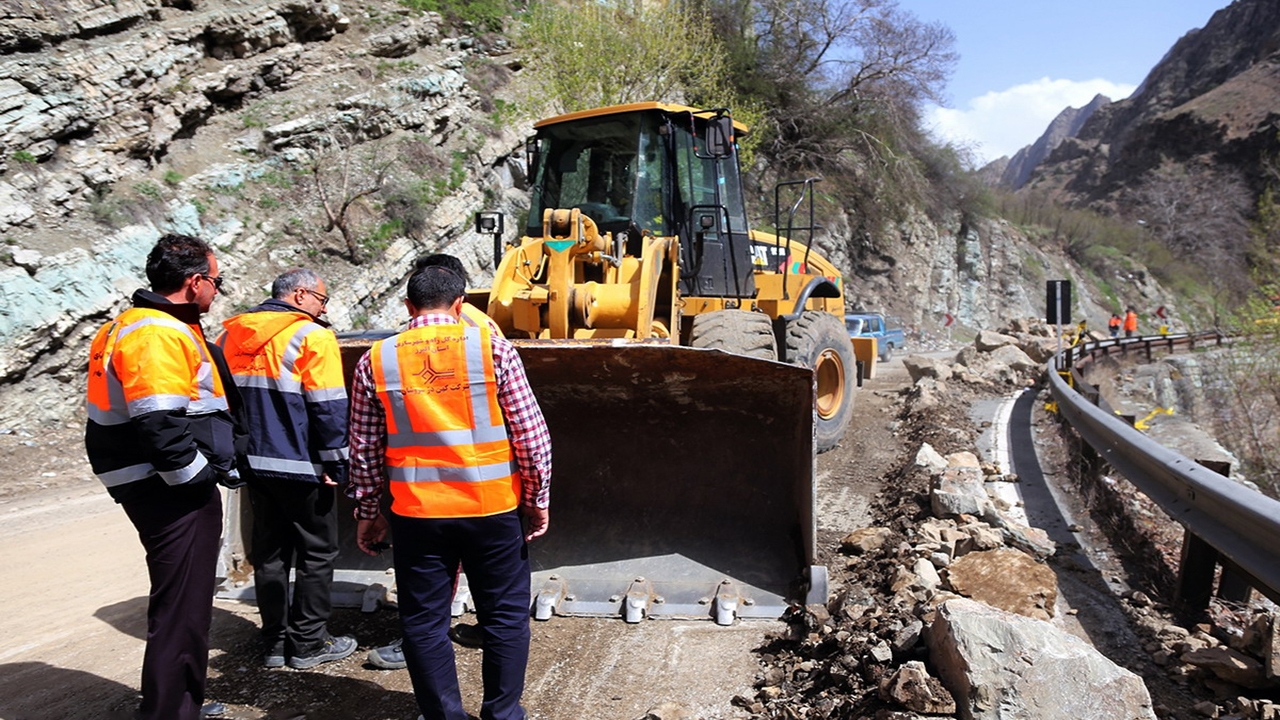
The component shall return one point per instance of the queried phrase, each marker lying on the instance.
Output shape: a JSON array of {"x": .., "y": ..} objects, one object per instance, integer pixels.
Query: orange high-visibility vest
[
  {"x": 289, "y": 371},
  {"x": 1114, "y": 322},
  {"x": 146, "y": 361},
  {"x": 1131, "y": 320},
  {"x": 448, "y": 453},
  {"x": 472, "y": 315}
]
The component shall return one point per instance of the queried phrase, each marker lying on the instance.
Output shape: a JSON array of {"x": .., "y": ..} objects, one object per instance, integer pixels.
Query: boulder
[
  {"x": 966, "y": 358},
  {"x": 1015, "y": 358},
  {"x": 919, "y": 366},
  {"x": 964, "y": 459},
  {"x": 1007, "y": 579},
  {"x": 913, "y": 688},
  {"x": 13, "y": 210},
  {"x": 1000, "y": 665},
  {"x": 1040, "y": 349},
  {"x": 1230, "y": 665},
  {"x": 959, "y": 491},
  {"x": 865, "y": 540},
  {"x": 930, "y": 459},
  {"x": 1030, "y": 540},
  {"x": 927, "y": 573},
  {"x": 988, "y": 341},
  {"x": 404, "y": 38}
]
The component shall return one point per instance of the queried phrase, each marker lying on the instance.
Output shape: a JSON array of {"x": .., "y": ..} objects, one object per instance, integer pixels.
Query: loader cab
[{"x": 652, "y": 169}]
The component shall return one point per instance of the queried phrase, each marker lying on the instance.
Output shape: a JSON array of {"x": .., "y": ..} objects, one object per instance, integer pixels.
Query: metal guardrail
[{"x": 1240, "y": 524}]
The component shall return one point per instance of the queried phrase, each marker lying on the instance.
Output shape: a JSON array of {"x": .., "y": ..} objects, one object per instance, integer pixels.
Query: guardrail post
[
  {"x": 1147, "y": 343},
  {"x": 1195, "y": 575},
  {"x": 1232, "y": 586}
]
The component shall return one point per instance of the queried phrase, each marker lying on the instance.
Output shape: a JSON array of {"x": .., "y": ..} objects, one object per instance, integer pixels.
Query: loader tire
[
  {"x": 740, "y": 332},
  {"x": 819, "y": 341}
]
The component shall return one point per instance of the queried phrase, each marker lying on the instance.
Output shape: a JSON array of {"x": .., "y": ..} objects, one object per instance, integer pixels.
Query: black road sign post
[
  {"x": 1058, "y": 302},
  {"x": 1058, "y": 305}
]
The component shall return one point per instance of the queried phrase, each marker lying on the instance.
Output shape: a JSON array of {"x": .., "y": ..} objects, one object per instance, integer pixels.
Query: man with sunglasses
[
  {"x": 160, "y": 435},
  {"x": 286, "y": 363}
]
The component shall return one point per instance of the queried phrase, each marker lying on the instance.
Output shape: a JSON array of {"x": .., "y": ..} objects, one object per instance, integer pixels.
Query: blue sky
[{"x": 1024, "y": 61}]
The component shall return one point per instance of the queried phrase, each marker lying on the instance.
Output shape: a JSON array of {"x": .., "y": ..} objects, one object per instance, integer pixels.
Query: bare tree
[
  {"x": 1202, "y": 217},
  {"x": 1246, "y": 404},
  {"x": 344, "y": 172}
]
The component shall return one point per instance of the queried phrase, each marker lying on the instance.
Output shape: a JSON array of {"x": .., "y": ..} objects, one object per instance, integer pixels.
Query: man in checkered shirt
[{"x": 423, "y": 426}]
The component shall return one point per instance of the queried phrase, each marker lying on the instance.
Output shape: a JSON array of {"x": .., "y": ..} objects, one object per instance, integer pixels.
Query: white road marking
[{"x": 1010, "y": 493}]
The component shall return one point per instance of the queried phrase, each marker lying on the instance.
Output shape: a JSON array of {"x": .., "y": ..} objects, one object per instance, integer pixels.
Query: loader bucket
[
  {"x": 682, "y": 485},
  {"x": 682, "y": 482}
]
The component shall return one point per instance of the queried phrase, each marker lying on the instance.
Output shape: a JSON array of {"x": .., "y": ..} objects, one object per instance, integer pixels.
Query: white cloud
[{"x": 1003, "y": 122}]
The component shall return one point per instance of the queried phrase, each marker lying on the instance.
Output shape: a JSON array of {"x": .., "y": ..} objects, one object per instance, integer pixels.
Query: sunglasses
[{"x": 215, "y": 279}]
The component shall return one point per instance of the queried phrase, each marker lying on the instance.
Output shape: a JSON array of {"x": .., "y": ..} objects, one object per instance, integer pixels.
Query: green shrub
[
  {"x": 172, "y": 177},
  {"x": 387, "y": 230},
  {"x": 386, "y": 67},
  {"x": 672, "y": 52},
  {"x": 485, "y": 15},
  {"x": 276, "y": 179},
  {"x": 22, "y": 157},
  {"x": 148, "y": 190}
]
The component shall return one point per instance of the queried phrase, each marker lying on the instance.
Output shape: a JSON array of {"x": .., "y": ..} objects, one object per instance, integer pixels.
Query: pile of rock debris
[{"x": 948, "y": 607}]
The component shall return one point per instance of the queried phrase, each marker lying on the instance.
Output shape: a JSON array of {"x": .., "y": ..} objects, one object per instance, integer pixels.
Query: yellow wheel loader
[{"x": 689, "y": 369}]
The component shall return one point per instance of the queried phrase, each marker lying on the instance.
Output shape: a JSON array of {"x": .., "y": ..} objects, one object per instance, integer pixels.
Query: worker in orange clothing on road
[
  {"x": 286, "y": 362},
  {"x": 161, "y": 435},
  {"x": 1114, "y": 325},
  {"x": 391, "y": 657},
  {"x": 1130, "y": 322}
]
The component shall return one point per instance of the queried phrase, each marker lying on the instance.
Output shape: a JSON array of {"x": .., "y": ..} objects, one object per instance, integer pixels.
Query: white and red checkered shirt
[{"x": 530, "y": 439}]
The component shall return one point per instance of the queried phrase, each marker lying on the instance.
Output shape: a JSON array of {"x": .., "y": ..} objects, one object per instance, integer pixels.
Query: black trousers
[
  {"x": 180, "y": 528},
  {"x": 427, "y": 555},
  {"x": 295, "y": 525}
]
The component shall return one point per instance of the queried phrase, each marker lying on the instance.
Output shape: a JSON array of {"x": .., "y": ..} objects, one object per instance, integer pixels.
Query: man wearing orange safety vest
[
  {"x": 391, "y": 657},
  {"x": 1130, "y": 322},
  {"x": 160, "y": 435},
  {"x": 286, "y": 362},
  {"x": 1114, "y": 325},
  {"x": 442, "y": 415}
]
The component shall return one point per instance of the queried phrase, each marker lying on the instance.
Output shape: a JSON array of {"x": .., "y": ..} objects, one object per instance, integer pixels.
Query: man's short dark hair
[
  {"x": 435, "y": 288},
  {"x": 174, "y": 259},
  {"x": 443, "y": 260},
  {"x": 291, "y": 280}
]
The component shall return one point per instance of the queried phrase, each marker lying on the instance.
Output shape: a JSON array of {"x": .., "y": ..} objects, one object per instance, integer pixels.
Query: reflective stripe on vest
[
  {"x": 108, "y": 406},
  {"x": 118, "y": 411},
  {"x": 448, "y": 453}
]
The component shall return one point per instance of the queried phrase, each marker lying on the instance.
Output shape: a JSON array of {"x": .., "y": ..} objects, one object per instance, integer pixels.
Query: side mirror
[
  {"x": 531, "y": 157},
  {"x": 490, "y": 223},
  {"x": 720, "y": 136}
]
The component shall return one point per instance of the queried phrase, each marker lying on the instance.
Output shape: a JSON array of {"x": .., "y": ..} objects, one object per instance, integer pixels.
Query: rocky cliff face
[
  {"x": 125, "y": 119},
  {"x": 1066, "y": 125},
  {"x": 1209, "y": 106}
]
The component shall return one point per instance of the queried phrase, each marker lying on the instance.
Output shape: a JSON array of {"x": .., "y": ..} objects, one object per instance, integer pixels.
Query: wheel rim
[{"x": 829, "y": 371}]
